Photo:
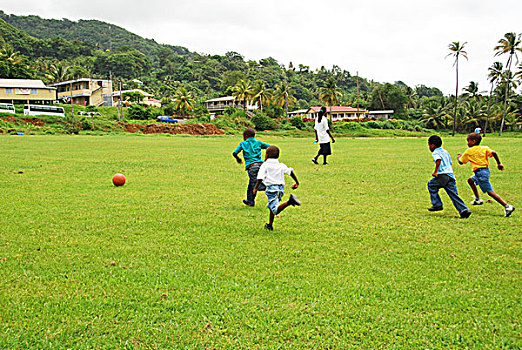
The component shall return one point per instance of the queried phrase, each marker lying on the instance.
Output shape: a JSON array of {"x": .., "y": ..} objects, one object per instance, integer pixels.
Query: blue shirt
[
  {"x": 445, "y": 161},
  {"x": 251, "y": 150}
]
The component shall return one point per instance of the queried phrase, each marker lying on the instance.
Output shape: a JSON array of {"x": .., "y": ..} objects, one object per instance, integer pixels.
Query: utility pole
[
  {"x": 357, "y": 92},
  {"x": 121, "y": 105},
  {"x": 72, "y": 104}
]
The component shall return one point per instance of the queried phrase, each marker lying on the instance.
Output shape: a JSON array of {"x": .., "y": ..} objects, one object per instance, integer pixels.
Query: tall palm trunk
[
  {"x": 456, "y": 96},
  {"x": 489, "y": 105},
  {"x": 506, "y": 95}
]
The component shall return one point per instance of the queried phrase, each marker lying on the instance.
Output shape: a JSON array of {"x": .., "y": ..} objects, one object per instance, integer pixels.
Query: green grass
[{"x": 174, "y": 260}]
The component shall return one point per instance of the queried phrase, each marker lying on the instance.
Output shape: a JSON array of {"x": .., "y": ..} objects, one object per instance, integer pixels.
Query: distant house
[
  {"x": 146, "y": 98},
  {"x": 299, "y": 112},
  {"x": 26, "y": 91},
  {"x": 339, "y": 113},
  {"x": 85, "y": 92},
  {"x": 384, "y": 115},
  {"x": 217, "y": 106}
]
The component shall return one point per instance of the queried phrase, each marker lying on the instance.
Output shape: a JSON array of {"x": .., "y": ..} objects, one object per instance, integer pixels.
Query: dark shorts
[{"x": 325, "y": 149}]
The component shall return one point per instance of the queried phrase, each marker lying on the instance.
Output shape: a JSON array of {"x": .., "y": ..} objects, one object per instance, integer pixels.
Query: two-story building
[
  {"x": 217, "y": 106},
  {"x": 146, "y": 99},
  {"x": 26, "y": 91},
  {"x": 85, "y": 92}
]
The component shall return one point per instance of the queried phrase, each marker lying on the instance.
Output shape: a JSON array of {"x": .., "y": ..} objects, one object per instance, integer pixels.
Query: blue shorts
[
  {"x": 274, "y": 194},
  {"x": 481, "y": 178}
]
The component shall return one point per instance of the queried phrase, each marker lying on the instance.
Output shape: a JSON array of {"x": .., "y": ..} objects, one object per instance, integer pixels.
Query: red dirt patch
[
  {"x": 191, "y": 129},
  {"x": 35, "y": 122}
]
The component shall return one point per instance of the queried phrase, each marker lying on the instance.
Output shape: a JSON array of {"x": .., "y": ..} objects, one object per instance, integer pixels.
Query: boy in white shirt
[{"x": 272, "y": 174}]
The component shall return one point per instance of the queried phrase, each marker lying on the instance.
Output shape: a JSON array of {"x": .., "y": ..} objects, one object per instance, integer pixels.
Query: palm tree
[
  {"x": 472, "y": 90},
  {"x": 495, "y": 72},
  {"x": 58, "y": 73},
  {"x": 330, "y": 94},
  {"x": 510, "y": 44},
  {"x": 435, "y": 114},
  {"x": 184, "y": 101},
  {"x": 457, "y": 49},
  {"x": 243, "y": 92},
  {"x": 10, "y": 56},
  {"x": 261, "y": 94},
  {"x": 283, "y": 97}
]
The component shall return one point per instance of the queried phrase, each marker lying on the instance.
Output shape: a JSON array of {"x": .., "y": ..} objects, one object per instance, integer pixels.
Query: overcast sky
[{"x": 383, "y": 40}]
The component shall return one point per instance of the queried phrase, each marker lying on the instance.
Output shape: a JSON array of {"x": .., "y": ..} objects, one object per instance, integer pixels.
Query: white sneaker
[
  {"x": 477, "y": 201},
  {"x": 508, "y": 210}
]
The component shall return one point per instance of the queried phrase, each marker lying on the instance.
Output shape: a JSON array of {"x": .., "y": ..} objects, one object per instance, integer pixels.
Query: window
[
  {"x": 34, "y": 91},
  {"x": 8, "y": 91}
]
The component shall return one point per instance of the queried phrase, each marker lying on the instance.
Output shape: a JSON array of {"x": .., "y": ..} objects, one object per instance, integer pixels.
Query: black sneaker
[
  {"x": 465, "y": 214},
  {"x": 293, "y": 200},
  {"x": 245, "y": 202},
  {"x": 269, "y": 227},
  {"x": 434, "y": 208},
  {"x": 325, "y": 163},
  {"x": 314, "y": 161}
]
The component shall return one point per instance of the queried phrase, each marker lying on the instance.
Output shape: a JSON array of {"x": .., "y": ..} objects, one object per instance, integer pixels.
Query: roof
[
  {"x": 117, "y": 92},
  {"x": 389, "y": 111},
  {"x": 23, "y": 84},
  {"x": 219, "y": 99},
  {"x": 77, "y": 81},
  {"x": 299, "y": 111},
  {"x": 336, "y": 109}
]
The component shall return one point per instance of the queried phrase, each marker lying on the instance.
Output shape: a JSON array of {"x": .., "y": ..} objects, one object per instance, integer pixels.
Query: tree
[
  {"x": 330, "y": 94},
  {"x": 283, "y": 97},
  {"x": 435, "y": 114},
  {"x": 509, "y": 44},
  {"x": 495, "y": 72},
  {"x": 261, "y": 94},
  {"x": 58, "y": 72},
  {"x": 457, "y": 49},
  {"x": 472, "y": 90},
  {"x": 244, "y": 92},
  {"x": 184, "y": 101}
]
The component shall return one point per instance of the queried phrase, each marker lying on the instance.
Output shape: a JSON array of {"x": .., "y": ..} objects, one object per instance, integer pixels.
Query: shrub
[
  {"x": 263, "y": 122},
  {"x": 139, "y": 113},
  {"x": 298, "y": 123}
]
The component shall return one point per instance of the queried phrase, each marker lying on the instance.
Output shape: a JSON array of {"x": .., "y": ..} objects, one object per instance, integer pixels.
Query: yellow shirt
[{"x": 478, "y": 156}]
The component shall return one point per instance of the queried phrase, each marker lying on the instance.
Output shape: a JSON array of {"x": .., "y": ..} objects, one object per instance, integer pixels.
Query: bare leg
[
  {"x": 324, "y": 162},
  {"x": 496, "y": 197},
  {"x": 281, "y": 207},
  {"x": 271, "y": 218},
  {"x": 473, "y": 187}
]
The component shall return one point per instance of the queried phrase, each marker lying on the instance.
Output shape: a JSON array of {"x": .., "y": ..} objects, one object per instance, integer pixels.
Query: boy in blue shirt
[
  {"x": 252, "y": 153},
  {"x": 443, "y": 177}
]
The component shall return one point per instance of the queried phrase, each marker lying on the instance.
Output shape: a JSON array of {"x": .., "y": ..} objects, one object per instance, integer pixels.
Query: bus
[
  {"x": 7, "y": 108},
  {"x": 44, "y": 110}
]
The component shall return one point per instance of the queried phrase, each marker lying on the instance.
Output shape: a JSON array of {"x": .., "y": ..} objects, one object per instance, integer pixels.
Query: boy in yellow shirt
[{"x": 479, "y": 156}]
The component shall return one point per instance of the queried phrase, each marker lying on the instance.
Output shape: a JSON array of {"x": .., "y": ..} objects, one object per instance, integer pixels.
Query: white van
[
  {"x": 7, "y": 108},
  {"x": 44, "y": 110}
]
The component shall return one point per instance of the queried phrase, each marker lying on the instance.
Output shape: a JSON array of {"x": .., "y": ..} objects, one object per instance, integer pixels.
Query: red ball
[{"x": 118, "y": 180}]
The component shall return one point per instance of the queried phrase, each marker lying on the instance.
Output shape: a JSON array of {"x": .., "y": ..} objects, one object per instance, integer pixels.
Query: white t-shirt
[
  {"x": 322, "y": 128},
  {"x": 273, "y": 173}
]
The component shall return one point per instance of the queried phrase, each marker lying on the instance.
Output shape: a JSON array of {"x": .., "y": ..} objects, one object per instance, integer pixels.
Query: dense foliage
[{"x": 55, "y": 50}]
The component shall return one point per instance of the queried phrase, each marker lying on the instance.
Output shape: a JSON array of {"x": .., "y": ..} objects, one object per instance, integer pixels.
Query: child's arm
[
  {"x": 294, "y": 186},
  {"x": 458, "y": 158},
  {"x": 331, "y": 136},
  {"x": 256, "y": 186},
  {"x": 437, "y": 166},
  {"x": 499, "y": 164},
  {"x": 238, "y": 160}
]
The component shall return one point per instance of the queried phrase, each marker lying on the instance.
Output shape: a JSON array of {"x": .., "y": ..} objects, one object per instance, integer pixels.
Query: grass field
[{"x": 174, "y": 259}]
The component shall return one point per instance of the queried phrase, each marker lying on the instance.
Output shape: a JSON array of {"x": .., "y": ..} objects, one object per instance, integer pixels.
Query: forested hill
[
  {"x": 58, "y": 50},
  {"x": 95, "y": 33}
]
